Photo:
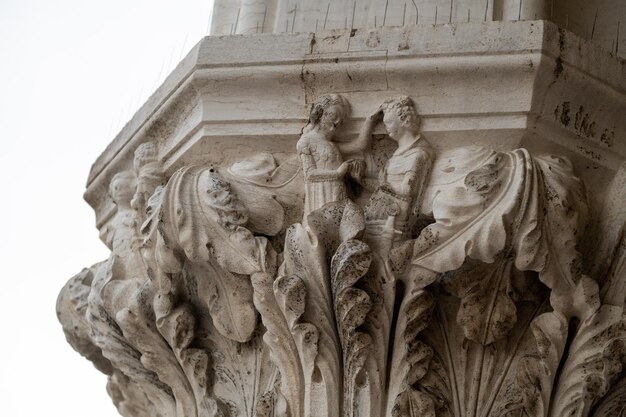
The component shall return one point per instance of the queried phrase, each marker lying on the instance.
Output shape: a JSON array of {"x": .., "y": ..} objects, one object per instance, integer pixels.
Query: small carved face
[
  {"x": 393, "y": 125},
  {"x": 331, "y": 119},
  {"x": 145, "y": 153},
  {"x": 122, "y": 188}
]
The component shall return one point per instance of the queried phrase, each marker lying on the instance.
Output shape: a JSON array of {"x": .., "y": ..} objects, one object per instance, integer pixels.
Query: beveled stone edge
[{"x": 541, "y": 38}]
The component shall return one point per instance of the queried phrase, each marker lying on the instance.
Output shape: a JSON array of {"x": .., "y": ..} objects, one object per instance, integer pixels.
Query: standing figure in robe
[
  {"x": 121, "y": 235},
  {"x": 395, "y": 204},
  {"x": 323, "y": 159}
]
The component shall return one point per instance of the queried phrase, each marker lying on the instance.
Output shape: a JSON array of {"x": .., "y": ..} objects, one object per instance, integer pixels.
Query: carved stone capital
[{"x": 388, "y": 222}]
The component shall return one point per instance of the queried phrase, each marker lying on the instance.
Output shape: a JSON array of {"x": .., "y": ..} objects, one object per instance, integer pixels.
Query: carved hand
[
  {"x": 372, "y": 120},
  {"x": 344, "y": 167},
  {"x": 357, "y": 167},
  {"x": 377, "y": 116}
]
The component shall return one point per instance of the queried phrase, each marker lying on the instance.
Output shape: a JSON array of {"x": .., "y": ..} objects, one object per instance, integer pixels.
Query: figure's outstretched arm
[
  {"x": 365, "y": 136},
  {"x": 370, "y": 184},
  {"x": 310, "y": 168}
]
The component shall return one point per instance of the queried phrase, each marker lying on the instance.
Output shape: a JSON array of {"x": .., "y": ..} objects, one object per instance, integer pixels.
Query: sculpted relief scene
[{"x": 371, "y": 276}]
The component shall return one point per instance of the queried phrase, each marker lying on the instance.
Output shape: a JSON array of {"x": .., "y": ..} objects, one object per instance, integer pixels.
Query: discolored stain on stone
[
  {"x": 558, "y": 68},
  {"x": 565, "y": 119},
  {"x": 608, "y": 137}
]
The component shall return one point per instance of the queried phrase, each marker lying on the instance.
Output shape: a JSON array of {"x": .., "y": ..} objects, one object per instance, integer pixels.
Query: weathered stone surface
[
  {"x": 599, "y": 21},
  {"x": 415, "y": 221}
]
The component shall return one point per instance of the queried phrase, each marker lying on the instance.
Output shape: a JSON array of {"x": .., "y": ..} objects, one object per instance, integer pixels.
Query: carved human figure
[
  {"x": 121, "y": 235},
  {"x": 395, "y": 202},
  {"x": 322, "y": 158},
  {"x": 149, "y": 175}
]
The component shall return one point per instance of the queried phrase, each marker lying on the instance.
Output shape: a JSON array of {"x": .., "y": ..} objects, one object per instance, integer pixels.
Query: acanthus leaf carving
[
  {"x": 128, "y": 357},
  {"x": 368, "y": 305},
  {"x": 309, "y": 251},
  {"x": 349, "y": 264},
  {"x": 239, "y": 379},
  {"x": 575, "y": 367},
  {"x": 614, "y": 287},
  {"x": 228, "y": 297},
  {"x": 282, "y": 350},
  {"x": 536, "y": 373},
  {"x": 614, "y": 403},
  {"x": 411, "y": 358},
  {"x": 290, "y": 292},
  {"x": 413, "y": 403},
  {"x": 508, "y": 212},
  {"x": 487, "y": 311},
  {"x": 72, "y": 307},
  {"x": 178, "y": 330},
  {"x": 607, "y": 244},
  {"x": 549, "y": 243},
  {"x": 471, "y": 220},
  {"x": 129, "y": 398},
  {"x": 480, "y": 221},
  {"x": 272, "y": 404},
  {"x": 200, "y": 222},
  {"x": 597, "y": 355}
]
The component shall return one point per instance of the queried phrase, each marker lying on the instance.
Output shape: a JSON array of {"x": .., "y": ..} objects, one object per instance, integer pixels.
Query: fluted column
[
  {"x": 258, "y": 16},
  {"x": 521, "y": 9}
]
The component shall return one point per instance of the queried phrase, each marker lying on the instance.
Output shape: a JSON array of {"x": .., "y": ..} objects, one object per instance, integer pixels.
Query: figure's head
[
  {"x": 122, "y": 187},
  {"x": 145, "y": 154},
  {"x": 399, "y": 116},
  {"x": 328, "y": 113}
]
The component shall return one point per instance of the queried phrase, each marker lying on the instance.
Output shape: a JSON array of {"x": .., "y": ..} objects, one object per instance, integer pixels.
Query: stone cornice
[{"x": 508, "y": 76}]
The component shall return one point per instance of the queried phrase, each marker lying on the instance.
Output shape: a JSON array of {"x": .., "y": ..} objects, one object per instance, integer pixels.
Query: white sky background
[{"x": 71, "y": 74}]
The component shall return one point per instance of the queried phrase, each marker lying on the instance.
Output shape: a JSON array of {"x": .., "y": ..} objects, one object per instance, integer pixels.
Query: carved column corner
[{"x": 384, "y": 222}]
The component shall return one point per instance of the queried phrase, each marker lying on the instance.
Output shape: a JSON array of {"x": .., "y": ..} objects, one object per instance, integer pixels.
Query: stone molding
[{"x": 509, "y": 74}]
